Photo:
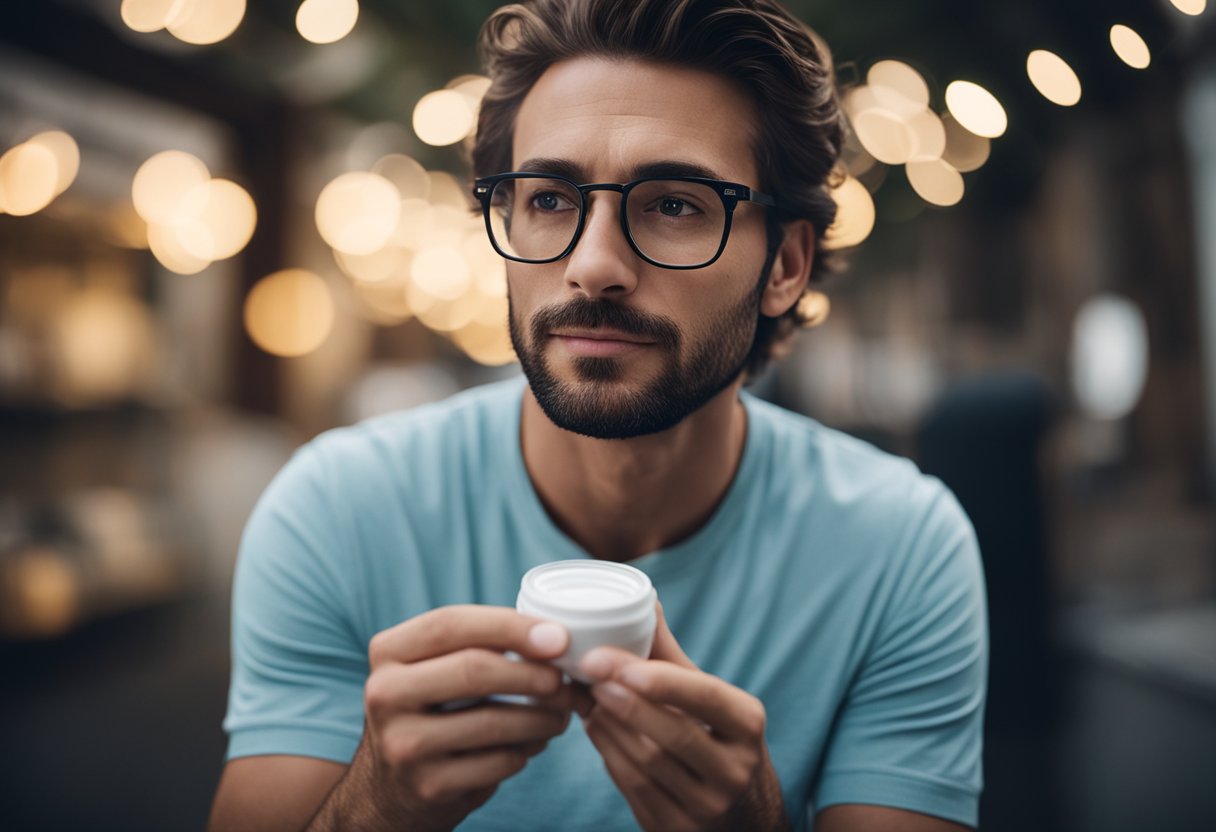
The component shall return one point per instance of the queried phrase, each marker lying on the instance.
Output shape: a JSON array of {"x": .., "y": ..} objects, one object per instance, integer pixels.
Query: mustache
[{"x": 596, "y": 314}]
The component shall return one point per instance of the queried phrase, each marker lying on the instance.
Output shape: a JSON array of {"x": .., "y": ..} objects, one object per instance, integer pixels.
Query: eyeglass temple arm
[{"x": 760, "y": 199}]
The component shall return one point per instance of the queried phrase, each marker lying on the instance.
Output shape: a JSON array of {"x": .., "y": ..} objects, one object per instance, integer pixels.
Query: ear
[{"x": 791, "y": 269}]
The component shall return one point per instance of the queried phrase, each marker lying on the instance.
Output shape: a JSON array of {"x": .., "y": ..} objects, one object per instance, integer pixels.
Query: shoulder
[
  {"x": 463, "y": 425},
  {"x": 844, "y": 472},
  {"x": 876, "y": 511}
]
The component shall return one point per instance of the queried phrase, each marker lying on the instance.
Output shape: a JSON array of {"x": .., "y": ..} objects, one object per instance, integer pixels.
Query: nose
[{"x": 602, "y": 263}]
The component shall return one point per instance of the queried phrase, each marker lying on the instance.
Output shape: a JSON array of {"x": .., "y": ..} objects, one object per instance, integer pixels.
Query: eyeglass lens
[{"x": 672, "y": 222}]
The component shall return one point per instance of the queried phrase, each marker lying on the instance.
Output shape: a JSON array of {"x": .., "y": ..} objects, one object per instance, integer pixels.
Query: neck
[{"x": 622, "y": 498}]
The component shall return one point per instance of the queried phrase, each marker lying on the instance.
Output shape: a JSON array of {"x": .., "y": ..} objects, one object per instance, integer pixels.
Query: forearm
[{"x": 353, "y": 806}]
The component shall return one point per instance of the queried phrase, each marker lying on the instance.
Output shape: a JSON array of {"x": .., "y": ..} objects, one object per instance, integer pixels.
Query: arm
[
  {"x": 848, "y": 817},
  {"x": 418, "y": 765},
  {"x": 271, "y": 793}
]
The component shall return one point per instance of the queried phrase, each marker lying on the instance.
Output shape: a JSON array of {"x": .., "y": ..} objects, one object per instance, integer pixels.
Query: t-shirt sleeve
[
  {"x": 910, "y": 732},
  {"x": 298, "y": 668}
]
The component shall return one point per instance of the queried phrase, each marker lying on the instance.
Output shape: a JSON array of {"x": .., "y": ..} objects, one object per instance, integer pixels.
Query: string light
[
  {"x": 326, "y": 21},
  {"x": 1191, "y": 7},
  {"x": 976, "y": 109},
  {"x": 1129, "y": 46},
  {"x": 965, "y": 151},
  {"x": 936, "y": 182},
  {"x": 1053, "y": 78},
  {"x": 854, "y": 215}
]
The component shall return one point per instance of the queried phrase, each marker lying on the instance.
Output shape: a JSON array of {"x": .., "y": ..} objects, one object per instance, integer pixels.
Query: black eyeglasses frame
[{"x": 731, "y": 194}]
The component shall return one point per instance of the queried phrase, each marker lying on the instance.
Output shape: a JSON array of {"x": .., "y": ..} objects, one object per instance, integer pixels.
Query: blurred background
[{"x": 225, "y": 227}]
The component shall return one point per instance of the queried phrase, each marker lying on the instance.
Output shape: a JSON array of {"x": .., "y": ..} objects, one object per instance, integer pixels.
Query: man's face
[{"x": 612, "y": 346}]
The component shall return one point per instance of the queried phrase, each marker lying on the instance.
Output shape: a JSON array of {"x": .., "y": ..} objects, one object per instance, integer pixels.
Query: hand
[
  {"x": 685, "y": 748},
  {"x": 425, "y": 768}
]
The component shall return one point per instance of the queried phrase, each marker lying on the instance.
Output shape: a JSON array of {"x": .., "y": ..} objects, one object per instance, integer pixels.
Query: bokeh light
[
  {"x": 377, "y": 267},
  {"x": 385, "y": 303},
  {"x": 102, "y": 341},
  {"x": 169, "y": 247},
  {"x": 1109, "y": 356},
  {"x": 898, "y": 87},
  {"x": 965, "y": 151},
  {"x": 814, "y": 308},
  {"x": 854, "y": 215},
  {"x": 884, "y": 136},
  {"x": 1191, "y": 7},
  {"x": 43, "y": 597},
  {"x": 225, "y": 223},
  {"x": 1053, "y": 78},
  {"x": 407, "y": 175},
  {"x": 203, "y": 22},
  {"x": 472, "y": 87},
  {"x": 150, "y": 15},
  {"x": 165, "y": 189},
  {"x": 443, "y": 117},
  {"x": 447, "y": 190},
  {"x": 486, "y": 344},
  {"x": 928, "y": 136},
  {"x": 976, "y": 109},
  {"x": 357, "y": 212},
  {"x": 936, "y": 182},
  {"x": 1129, "y": 46},
  {"x": 67, "y": 156},
  {"x": 442, "y": 272},
  {"x": 29, "y": 176},
  {"x": 326, "y": 21},
  {"x": 289, "y": 313}
]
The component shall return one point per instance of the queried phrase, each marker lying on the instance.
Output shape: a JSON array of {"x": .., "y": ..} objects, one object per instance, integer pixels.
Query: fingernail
[
  {"x": 548, "y": 637},
  {"x": 610, "y": 693},
  {"x": 597, "y": 664}
]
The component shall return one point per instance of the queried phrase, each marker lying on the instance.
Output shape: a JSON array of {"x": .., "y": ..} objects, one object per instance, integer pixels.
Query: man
[{"x": 656, "y": 173}]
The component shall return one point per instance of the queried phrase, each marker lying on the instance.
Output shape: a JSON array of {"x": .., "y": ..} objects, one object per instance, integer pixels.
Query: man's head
[{"x": 603, "y": 92}]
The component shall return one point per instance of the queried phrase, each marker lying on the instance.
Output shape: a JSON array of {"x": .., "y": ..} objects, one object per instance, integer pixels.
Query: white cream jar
[{"x": 600, "y": 603}]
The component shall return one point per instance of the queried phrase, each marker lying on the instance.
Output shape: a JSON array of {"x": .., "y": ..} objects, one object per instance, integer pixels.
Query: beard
[{"x": 601, "y": 403}]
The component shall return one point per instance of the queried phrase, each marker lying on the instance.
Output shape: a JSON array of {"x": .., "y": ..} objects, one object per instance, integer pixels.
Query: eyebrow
[{"x": 664, "y": 167}]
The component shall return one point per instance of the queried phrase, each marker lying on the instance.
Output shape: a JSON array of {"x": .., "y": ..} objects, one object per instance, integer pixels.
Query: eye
[
  {"x": 551, "y": 201},
  {"x": 674, "y": 206}
]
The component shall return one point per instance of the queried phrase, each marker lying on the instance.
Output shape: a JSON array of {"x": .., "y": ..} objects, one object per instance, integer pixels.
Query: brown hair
[{"x": 783, "y": 65}]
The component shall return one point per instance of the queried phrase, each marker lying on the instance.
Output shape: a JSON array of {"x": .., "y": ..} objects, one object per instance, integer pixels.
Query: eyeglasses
[{"x": 675, "y": 222}]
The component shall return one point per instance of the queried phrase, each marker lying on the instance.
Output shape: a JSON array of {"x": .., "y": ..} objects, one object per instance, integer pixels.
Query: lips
[
  {"x": 599, "y": 343},
  {"x": 610, "y": 335}
]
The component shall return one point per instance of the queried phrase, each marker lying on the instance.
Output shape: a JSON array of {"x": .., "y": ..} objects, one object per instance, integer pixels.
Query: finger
[
  {"x": 489, "y": 726},
  {"x": 448, "y": 629},
  {"x": 699, "y": 799},
  {"x": 451, "y": 778},
  {"x": 654, "y": 808},
  {"x": 729, "y": 711},
  {"x": 666, "y": 648},
  {"x": 471, "y": 673},
  {"x": 604, "y": 662},
  {"x": 679, "y": 735},
  {"x": 569, "y": 697}
]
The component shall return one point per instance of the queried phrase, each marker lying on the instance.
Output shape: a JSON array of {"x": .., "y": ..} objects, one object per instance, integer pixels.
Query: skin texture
[
  {"x": 686, "y": 749},
  {"x": 418, "y": 767}
]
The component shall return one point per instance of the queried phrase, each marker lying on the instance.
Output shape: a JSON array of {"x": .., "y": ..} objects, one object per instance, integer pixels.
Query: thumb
[{"x": 666, "y": 648}]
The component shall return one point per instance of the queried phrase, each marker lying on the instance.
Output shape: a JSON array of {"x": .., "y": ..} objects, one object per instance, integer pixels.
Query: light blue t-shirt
[{"x": 835, "y": 582}]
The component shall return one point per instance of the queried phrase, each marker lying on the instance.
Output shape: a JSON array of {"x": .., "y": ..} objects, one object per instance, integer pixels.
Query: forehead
[{"x": 610, "y": 116}]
